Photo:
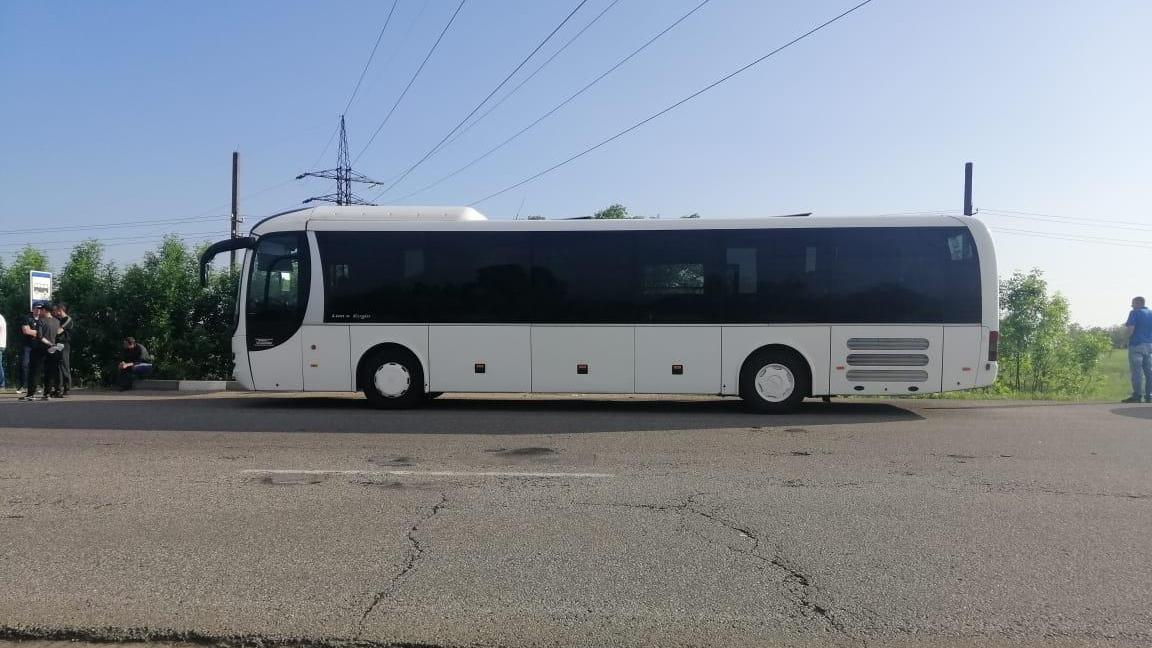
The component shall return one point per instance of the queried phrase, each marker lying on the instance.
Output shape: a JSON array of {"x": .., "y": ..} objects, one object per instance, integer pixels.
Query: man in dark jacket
[
  {"x": 42, "y": 366},
  {"x": 31, "y": 341},
  {"x": 67, "y": 324},
  {"x": 135, "y": 362}
]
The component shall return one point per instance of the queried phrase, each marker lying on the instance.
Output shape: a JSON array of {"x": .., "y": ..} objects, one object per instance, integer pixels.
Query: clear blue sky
[{"x": 129, "y": 111}]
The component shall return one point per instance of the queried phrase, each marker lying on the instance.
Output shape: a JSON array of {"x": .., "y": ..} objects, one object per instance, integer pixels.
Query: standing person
[
  {"x": 29, "y": 336},
  {"x": 1139, "y": 326},
  {"x": 135, "y": 362},
  {"x": 67, "y": 324},
  {"x": 3, "y": 347},
  {"x": 42, "y": 366}
]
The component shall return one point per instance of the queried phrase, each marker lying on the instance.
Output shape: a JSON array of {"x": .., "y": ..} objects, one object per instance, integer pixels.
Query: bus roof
[{"x": 411, "y": 217}]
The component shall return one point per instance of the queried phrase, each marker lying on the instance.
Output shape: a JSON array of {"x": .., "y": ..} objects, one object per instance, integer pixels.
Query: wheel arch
[
  {"x": 388, "y": 346},
  {"x": 805, "y": 361}
]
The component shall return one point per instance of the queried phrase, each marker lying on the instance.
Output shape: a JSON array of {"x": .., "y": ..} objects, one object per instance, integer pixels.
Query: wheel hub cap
[
  {"x": 775, "y": 383},
  {"x": 392, "y": 380}
]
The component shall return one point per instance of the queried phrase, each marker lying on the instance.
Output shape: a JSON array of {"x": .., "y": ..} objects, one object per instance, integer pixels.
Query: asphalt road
[{"x": 526, "y": 522}]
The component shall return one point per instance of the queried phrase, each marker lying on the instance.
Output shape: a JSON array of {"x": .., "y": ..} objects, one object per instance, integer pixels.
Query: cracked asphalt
[{"x": 243, "y": 519}]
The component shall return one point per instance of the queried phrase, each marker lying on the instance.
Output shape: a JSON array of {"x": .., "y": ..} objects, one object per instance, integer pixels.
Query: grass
[
  {"x": 1116, "y": 383},
  {"x": 1113, "y": 385}
]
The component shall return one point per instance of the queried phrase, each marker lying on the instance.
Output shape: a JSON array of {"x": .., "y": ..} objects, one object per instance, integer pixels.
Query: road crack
[
  {"x": 797, "y": 586},
  {"x": 415, "y": 554}
]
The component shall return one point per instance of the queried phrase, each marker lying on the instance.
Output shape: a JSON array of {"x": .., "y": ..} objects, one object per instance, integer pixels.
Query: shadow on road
[
  {"x": 440, "y": 416},
  {"x": 1135, "y": 412}
]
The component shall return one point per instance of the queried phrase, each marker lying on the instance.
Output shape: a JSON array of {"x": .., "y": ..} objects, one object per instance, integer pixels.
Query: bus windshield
[{"x": 277, "y": 289}]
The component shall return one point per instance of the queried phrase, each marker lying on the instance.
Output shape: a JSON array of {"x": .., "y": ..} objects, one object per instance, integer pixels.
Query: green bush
[{"x": 158, "y": 301}]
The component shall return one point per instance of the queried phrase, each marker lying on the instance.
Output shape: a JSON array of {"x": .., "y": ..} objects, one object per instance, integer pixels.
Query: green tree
[
  {"x": 1043, "y": 352},
  {"x": 1118, "y": 334},
  {"x": 14, "y": 296},
  {"x": 1022, "y": 300},
  {"x": 157, "y": 297},
  {"x": 90, "y": 288},
  {"x": 615, "y": 211}
]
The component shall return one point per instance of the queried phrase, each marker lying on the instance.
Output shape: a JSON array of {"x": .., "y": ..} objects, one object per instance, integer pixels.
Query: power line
[
  {"x": 69, "y": 228},
  {"x": 1042, "y": 219},
  {"x": 371, "y": 56},
  {"x": 410, "y": 82},
  {"x": 1071, "y": 220},
  {"x": 356, "y": 90},
  {"x": 1146, "y": 245},
  {"x": 528, "y": 78},
  {"x": 62, "y": 246},
  {"x": 675, "y": 105},
  {"x": 205, "y": 216},
  {"x": 558, "y": 106},
  {"x": 485, "y": 100}
]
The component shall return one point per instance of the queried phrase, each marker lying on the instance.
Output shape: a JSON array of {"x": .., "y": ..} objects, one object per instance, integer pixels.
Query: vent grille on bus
[
  {"x": 887, "y": 344},
  {"x": 887, "y": 359},
  {"x": 887, "y": 375}
]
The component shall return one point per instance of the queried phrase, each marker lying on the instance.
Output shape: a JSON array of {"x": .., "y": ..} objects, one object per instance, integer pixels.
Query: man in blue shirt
[{"x": 1140, "y": 350}]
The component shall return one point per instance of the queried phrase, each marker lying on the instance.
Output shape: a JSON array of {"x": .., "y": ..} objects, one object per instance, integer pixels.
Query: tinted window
[
  {"x": 777, "y": 276},
  {"x": 373, "y": 276},
  {"x": 888, "y": 275},
  {"x": 477, "y": 277},
  {"x": 583, "y": 277},
  {"x": 865, "y": 275},
  {"x": 678, "y": 276},
  {"x": 278, "y": 284}
]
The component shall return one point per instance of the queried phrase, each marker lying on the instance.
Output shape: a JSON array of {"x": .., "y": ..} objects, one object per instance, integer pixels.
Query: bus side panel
[
  {"x": 962, "y": 358},
  {"x": 584, "y": 359},
  {"x": 739, "y": 342},
  {"x": 988, "y": 370},
  {"x": 492, "y": 358},
  {"x": 678, "y": 359},
  {"x": 364, "y": 337},
  {"x": 326, "y": 357}
]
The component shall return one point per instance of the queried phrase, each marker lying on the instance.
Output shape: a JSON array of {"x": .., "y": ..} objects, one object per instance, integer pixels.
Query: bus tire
[
  {"x": 393, "y": 379},
  {"x": 774, "y": 380}
]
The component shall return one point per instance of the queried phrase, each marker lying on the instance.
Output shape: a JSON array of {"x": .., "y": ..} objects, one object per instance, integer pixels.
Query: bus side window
[
  {"x": 741, "y": 270},
  {"x": 679, "y": 276}
]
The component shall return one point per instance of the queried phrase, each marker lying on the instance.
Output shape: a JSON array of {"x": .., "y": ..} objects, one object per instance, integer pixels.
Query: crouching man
[{"x": 135, "y": 363}]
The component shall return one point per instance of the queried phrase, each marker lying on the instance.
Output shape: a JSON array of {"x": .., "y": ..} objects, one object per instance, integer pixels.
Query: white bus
[{"x": 403, "y": 303}]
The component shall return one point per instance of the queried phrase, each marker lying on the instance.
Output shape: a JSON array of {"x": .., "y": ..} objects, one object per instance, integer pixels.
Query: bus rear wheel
[
  {"x": 393, "y": 380},
  {"x": 774, "y": 381}
]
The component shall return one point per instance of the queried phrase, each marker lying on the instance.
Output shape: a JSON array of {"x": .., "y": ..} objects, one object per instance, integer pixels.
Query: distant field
[{"x": 1116, "y": 384}]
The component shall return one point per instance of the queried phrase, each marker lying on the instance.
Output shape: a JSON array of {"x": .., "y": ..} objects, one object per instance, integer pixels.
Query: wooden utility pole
[{"x": 235, "y": 201}]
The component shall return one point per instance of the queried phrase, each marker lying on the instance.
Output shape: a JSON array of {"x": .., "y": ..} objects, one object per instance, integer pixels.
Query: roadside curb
[{"x": 189, "y": 385}]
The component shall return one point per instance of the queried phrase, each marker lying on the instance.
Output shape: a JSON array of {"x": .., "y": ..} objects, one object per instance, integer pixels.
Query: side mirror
[{"x": 227, "y": 245}]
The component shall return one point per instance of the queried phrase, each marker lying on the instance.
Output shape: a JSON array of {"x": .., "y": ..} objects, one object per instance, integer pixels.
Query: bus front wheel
[
  {"x": 393, "y": 380},
  {"x": 774, "y": 381}
]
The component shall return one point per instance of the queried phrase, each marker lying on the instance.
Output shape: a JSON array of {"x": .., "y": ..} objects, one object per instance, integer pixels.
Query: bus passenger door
[
  {"x": 276, "y": 297},
  {"x": 886, "y": 359}
]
